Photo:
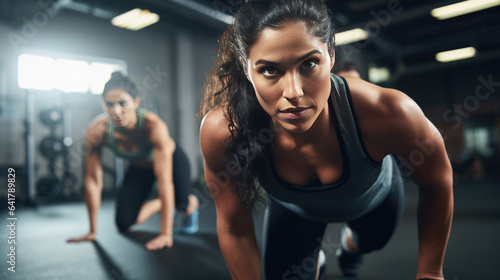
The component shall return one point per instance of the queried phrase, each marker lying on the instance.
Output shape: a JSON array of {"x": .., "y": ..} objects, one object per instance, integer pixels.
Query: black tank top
[{"x": 363, "y": 185}]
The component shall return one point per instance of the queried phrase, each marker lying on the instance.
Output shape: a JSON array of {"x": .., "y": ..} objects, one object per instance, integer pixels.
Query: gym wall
[{"x": 185, "y": 54}]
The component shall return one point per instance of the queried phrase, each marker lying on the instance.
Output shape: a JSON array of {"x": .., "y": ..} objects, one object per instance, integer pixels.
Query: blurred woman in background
[{"x": 142, "y": 138}]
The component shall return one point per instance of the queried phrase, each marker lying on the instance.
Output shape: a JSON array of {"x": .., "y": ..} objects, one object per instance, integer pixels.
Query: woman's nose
[
  {"x": 293, "y": 87},
  {"x": 115, "y": 109}
]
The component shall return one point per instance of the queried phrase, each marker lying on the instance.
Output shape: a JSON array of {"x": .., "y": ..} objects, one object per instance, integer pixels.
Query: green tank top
[{"x": 145, "y": 151}]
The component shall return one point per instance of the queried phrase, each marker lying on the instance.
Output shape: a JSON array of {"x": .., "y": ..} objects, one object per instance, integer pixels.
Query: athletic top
[
  {"x": 145, "y": 151},
  {"x": 362, "y": 186}
]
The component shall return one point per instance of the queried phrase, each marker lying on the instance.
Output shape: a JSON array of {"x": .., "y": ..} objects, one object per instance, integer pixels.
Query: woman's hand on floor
[
  {"x": 89, "y": 237},
  {"x": 162, "y": 240}
]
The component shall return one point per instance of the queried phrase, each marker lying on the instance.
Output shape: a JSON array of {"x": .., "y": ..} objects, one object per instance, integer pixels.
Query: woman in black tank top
[{"x": 267, "y": 113}]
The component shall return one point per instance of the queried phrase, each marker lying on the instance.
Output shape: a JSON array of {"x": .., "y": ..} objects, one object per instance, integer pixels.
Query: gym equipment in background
[{"x": 60, "y": 181}]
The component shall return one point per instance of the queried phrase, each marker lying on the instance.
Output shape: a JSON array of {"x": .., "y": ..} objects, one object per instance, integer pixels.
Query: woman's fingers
[{"x": 160, "y": 242}]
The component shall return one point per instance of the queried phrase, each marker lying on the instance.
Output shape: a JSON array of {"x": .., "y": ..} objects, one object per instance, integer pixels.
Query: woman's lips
[{"x": 294, "y": 113}]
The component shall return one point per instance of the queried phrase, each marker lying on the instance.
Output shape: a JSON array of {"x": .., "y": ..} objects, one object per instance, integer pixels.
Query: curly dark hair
[{"x": 228, "y": 87}]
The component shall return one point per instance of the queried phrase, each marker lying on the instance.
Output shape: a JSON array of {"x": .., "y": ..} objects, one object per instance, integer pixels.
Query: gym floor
[{"x": 42, "y": 251}]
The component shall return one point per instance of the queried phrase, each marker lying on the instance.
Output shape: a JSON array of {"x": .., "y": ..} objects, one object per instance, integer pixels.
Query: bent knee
[
  {"x": 373, "y": 246},
  {"x": 123, "y": 223}
]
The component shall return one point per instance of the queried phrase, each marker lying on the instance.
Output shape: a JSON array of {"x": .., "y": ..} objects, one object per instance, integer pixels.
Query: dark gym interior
[{"x": 46, "y": 106}]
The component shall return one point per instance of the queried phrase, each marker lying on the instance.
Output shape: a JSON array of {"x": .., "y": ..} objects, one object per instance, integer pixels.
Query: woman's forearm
[
  {"x": 241, "y": 254},
  {"x": 435, "y": 212},
  {"x": 167, "y": 198},
  {"x": 93, "y": 191}
]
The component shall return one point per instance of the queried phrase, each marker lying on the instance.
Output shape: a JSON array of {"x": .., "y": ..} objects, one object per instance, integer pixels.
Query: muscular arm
[
  {"x": 235, "y": 227},
  {"x": 434, "y": 177},
  {"x": 164, "y": 148},
  {"x": 93, "y": 188},
  {"x": 93, "y": 178},
  {"x": 403, "y": 130}
]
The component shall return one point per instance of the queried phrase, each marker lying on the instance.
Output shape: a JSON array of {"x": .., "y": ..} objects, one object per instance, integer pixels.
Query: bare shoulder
[
  {"x": 97, "y": 132},
  {"x": 152, "y": 121},
  {"x": 157, "y": 130},
  {"x": 371, "y": 100},
  {"x": 214, "y": 126},
  {"x": 99, "y": 126},
  {"x": 375, "y": 103},
  {"x": 385, "y": 115},
  {"x": 214, "y": 136}
]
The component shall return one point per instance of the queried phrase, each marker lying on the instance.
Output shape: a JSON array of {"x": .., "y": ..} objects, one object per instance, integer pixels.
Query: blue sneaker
[{"x": 190, "y": 225}]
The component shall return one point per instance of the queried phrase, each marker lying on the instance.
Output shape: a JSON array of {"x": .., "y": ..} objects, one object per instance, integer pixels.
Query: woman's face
[
  {"x": 290, "y": 71},
  {"x": 122, "y": 107}
]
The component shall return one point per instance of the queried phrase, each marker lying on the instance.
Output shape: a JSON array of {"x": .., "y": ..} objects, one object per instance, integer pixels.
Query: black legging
[
  {"x": 292, "y": 243},
  {"x": 138, "y": 183}
]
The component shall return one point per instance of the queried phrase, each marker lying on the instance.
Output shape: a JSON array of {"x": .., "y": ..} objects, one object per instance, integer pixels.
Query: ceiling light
[
  {"x": 350, "y": 36},
  {"x": 457, "y": 54},
  {"x": 463, "y": 8},
  {"x": 124, "y": 18},
  {"x": 135, "y": 19}
]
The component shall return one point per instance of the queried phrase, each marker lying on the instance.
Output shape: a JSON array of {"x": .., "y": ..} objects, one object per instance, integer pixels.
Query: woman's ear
[
  {"x": 137, "y": 101},
  {"x": 332, "y": 58}
]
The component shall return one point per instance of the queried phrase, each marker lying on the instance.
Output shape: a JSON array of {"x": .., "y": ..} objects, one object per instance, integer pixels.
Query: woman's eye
[
  {"x": 309, "y": 64},
  {"x": 269, "y": 70},
  {"x": 123, "y": 103},
  {"x": 109, "y": 105}
]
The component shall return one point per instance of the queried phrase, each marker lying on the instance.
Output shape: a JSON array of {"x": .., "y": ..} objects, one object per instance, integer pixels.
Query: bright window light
[
  {"x": 135, "y": 19},
  {"x": 100, "y": 73},
  {"x": 457, "y": 54},
  {"x": 67, "y": 75},
  {"x": 72, "y": 75},
  {"x": 350, "y": 36},
  {"x": 36, "y": 72},
  {"x": 463, "y": 8}
]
